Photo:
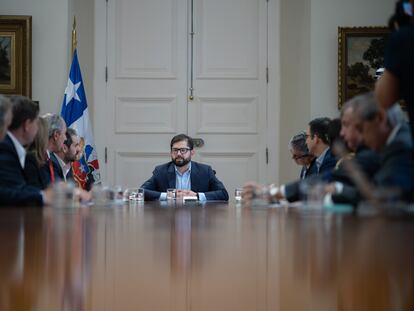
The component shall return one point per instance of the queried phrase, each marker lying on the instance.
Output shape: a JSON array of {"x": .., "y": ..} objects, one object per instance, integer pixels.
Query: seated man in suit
[
  {"x": 388, "y": 134},
  {"x": 317, "y": 140},
  {"x": 188, "y": 177},
  {"x": 57, "y": 137},
  {"x": 301, "y": 155},
  {"x": 14, "y": 189},
  {"x": 69, "y": 154}
]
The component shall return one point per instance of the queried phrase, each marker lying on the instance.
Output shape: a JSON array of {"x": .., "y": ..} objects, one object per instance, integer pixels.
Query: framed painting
[
  {"x": 16, "y": 55},
  {"x": 360, "y": 60}
]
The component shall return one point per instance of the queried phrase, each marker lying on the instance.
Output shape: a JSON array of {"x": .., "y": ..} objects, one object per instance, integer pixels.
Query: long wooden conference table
[{"x": 217, "y": 256}]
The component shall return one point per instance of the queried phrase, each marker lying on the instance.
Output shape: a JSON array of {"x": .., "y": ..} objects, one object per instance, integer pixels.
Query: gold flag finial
[{"x": 74, "y": 41}]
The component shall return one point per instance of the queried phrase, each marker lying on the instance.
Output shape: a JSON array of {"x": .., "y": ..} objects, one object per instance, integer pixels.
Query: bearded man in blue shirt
[{"x": 189, "y": 178}]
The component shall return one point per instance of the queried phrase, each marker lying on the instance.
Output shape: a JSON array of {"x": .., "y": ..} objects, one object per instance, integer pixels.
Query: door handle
[{"x": 198, "y": 142}]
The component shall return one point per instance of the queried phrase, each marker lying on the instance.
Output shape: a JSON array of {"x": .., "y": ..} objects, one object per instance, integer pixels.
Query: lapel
[
  {"x": 194, "y": 177},
  {"x": 171, "y": 175}
]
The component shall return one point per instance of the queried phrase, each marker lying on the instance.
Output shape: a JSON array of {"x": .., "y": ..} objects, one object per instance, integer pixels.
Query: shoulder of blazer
[
  {"x": 7, "y": 145},
  {"x": 163, "y": 168},
  {"x": 197, "y": 168}
]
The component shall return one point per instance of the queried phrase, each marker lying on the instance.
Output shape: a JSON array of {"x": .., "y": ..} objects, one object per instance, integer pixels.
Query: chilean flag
[{"x": 75, "y": 113}]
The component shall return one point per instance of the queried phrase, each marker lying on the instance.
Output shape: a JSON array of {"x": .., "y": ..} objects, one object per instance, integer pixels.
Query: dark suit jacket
[
  {"x": 292, "y": 190},
  {"x": 35, "y": 175},
  {"x": 312, "y": 170},
  {"x": 203, "y": 179},
  {"x": 396, "y": 169},
  {"x": 14, "y": 189},
  {"x": 365, "y": 159},
  {"x": 45, "y": 170},
  {"x": 328, "y": 164}
]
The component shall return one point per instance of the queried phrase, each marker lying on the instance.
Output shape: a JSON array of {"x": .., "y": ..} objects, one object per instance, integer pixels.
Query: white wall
[
  {"x": 50, "y": 48},
  {"x": 308, "y": 57},
  {"x": 309, "y": 61},
  {"x": 295, "y": 76},
  {"x": 326, "y": 16},
  {"x": 84, "y": 12}
]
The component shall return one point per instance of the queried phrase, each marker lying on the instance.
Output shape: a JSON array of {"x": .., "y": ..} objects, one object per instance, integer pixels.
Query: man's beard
[{"x": 180, "y": 162}]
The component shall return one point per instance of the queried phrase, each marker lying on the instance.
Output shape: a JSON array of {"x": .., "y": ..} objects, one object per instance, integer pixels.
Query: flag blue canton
[
  {"x": 75, "y": 113},
  {"x": 74, "y": 106}
]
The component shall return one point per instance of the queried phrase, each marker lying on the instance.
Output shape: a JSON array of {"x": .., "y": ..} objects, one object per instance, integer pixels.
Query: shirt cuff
[
  {"x": 163, "y": 196},
  {"x": 282, "y": 190},
  {"x": 202, "y": 197},
  {"x": 327, "y": 200},
  {"x": 339, "y": 187}
]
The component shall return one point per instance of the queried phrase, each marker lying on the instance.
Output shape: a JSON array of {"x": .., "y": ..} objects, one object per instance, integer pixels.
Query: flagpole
[{"x": 74, "y": 41}]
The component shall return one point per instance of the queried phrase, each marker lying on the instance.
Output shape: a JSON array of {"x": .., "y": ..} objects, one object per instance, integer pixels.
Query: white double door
[{"x": 157, "y": 50}]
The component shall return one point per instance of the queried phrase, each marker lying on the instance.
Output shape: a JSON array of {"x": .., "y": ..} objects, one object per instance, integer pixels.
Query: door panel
[
  {"x": 146, "y": 89},
  {"x": 149, "y": 79},
  {"x": 229, "y": 107}
]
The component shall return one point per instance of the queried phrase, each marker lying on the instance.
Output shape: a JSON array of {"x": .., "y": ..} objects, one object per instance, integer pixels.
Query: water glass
[
  {"x": 312, "y": 192},
  {"x": 130, "y": 194},
  {"x": 171, "y": 194},
  {"x": 238, "y": 194},
  {"x": 140, "y": 194}
]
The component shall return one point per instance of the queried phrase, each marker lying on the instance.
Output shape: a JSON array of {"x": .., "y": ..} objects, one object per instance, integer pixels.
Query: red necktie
[{"x": 52, "y": 172}]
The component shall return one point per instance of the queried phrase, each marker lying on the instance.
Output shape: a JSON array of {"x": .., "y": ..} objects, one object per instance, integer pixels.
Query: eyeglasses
[{"x": 180, "y": 150}]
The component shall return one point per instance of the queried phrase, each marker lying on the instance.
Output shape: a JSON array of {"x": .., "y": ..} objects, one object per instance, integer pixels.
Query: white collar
[{"x": 21, "y": 152}]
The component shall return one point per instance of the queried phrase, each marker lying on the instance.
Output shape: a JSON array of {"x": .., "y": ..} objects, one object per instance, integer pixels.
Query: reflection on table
[{"x": 217, "y": 256}]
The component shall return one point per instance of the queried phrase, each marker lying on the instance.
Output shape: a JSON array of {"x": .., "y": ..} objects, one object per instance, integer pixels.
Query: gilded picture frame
[
  {"x": 360, "y": 59},
  {"x": 16, "y": 55}
]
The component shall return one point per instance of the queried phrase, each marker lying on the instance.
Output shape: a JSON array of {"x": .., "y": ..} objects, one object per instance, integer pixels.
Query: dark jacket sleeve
[
  {"x": 216, "y": 190},
  {"x": 24, "y": 197},
  {"x": 292, "y": 191},
  {"x": 152, "y": 187}
]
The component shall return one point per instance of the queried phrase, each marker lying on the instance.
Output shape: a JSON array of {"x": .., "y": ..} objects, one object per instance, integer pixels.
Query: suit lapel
[
  {"x": 171, "y": 175},
  {"x": 194, "y": 177}
]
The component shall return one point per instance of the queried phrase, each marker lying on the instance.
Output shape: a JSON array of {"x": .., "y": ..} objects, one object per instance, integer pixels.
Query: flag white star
[{"x": 71, "y": 91}]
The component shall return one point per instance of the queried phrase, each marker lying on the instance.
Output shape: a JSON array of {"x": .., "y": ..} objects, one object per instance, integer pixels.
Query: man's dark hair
[
  {"x": 320, "y": 128},
  {"x": 69, "y": 133},
  {"x": 182, "y": 137},
  {"x": 23, "y": 109}
]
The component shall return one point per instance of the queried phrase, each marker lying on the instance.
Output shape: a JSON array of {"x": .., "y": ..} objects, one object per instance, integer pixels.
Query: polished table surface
[{"x": 217, "y": 256}]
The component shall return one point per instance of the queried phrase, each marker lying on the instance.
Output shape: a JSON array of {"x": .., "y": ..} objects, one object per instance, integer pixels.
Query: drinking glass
[
  {"x": 171, "y": 194},
  {"x": 130, "y": 194},
  {"x": 238, "y": 194},
  {"x": 140, "y": 194}
]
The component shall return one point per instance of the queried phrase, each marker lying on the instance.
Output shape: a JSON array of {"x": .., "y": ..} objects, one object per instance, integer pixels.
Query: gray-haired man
[
  {"x": 57, "y": 137},
  {"x": 301, "y": 155}
]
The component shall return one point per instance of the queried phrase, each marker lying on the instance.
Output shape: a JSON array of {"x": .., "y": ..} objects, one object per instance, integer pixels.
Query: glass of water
[
  {"x": 238, "y": 194},
  {"x": 140, "y": 194},
  {"x": 171, "y": 193},
  {"x": 130, "y": 194}
]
